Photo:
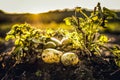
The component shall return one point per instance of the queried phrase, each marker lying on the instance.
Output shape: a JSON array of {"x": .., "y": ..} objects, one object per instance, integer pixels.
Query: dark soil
[{"x": 95, "y": 68}]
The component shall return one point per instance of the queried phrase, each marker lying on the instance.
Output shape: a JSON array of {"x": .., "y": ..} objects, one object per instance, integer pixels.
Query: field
[{"x": 47, "y": 46}]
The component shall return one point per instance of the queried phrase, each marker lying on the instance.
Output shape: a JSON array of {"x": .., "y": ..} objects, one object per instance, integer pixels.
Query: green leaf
[
  {"x": 17, "y": 42},
  {"x": 77, "y": 9},
  {"x": 103, "y": 38},
  {"x": 95, "y": 18},
  {"x": 117, "y": 61},
  {"x": 9, "y": 37},
  {"x": 67, "y": 21},
  {"x": 11, "y": 32}
]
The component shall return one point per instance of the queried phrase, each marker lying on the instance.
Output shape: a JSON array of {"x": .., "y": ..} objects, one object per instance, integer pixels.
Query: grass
[{"x": 113, "y": 27}]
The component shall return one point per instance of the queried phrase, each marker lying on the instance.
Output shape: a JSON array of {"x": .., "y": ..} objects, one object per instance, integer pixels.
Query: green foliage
[
  {"x": 27, "y": 41},
  {"x": 113, "y": 27},
  {"x": 87, "y": 35},
  {"x": 86, "y": 38},
  {"x": 30, "y": 42},
  {"x": 87, "y": 30},
  {"x": 116, "y": 52}
]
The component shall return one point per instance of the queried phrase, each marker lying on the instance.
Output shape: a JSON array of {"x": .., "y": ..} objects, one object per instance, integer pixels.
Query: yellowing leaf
[
  {"x": 103, "y": 38},
  {"x": 18, "y": 42},
  {"x": 95, "y": 18},
  {"x": 67, "y": 21},
  {"x": 9, "y": 37},
  {"x": 117, "y": 62}
]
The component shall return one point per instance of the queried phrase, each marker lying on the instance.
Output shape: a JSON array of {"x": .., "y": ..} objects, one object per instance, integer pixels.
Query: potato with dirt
[
  {"x": 51, "y": 55},
  {"x": 69, "y": 58}
]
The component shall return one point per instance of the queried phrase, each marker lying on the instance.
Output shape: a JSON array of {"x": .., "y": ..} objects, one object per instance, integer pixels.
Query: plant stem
[{"x": 84, "y": 38}]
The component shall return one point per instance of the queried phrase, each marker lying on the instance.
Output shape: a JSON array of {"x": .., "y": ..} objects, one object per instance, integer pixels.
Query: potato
[
  {"x": 66, "y": 41},
  {"x": 56, "y": 41},
  {"x": 67, "y": 48},
  {"x": 51, "y": 55},
  {"x": 69, "y": 58},
  {"x": 50, "y": 44}
]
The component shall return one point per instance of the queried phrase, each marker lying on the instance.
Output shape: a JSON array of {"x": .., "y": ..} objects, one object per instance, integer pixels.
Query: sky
[{"x": 39, "y": 6}]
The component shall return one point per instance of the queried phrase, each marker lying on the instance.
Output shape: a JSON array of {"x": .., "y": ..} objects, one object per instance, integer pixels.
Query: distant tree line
[{"x": 51, "y": 16}]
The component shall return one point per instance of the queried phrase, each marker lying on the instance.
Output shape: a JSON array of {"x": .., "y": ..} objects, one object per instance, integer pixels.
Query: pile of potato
[{"x": 58, "y": 51}]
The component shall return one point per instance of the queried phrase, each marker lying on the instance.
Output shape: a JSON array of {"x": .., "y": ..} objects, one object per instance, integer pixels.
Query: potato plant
[
  {"x": 52, "y": 45},
  {"x": 87, "y": 35}
]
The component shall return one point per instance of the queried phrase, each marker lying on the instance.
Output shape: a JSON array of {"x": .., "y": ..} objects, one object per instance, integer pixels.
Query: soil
[{"x": 95, "y": 68}]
